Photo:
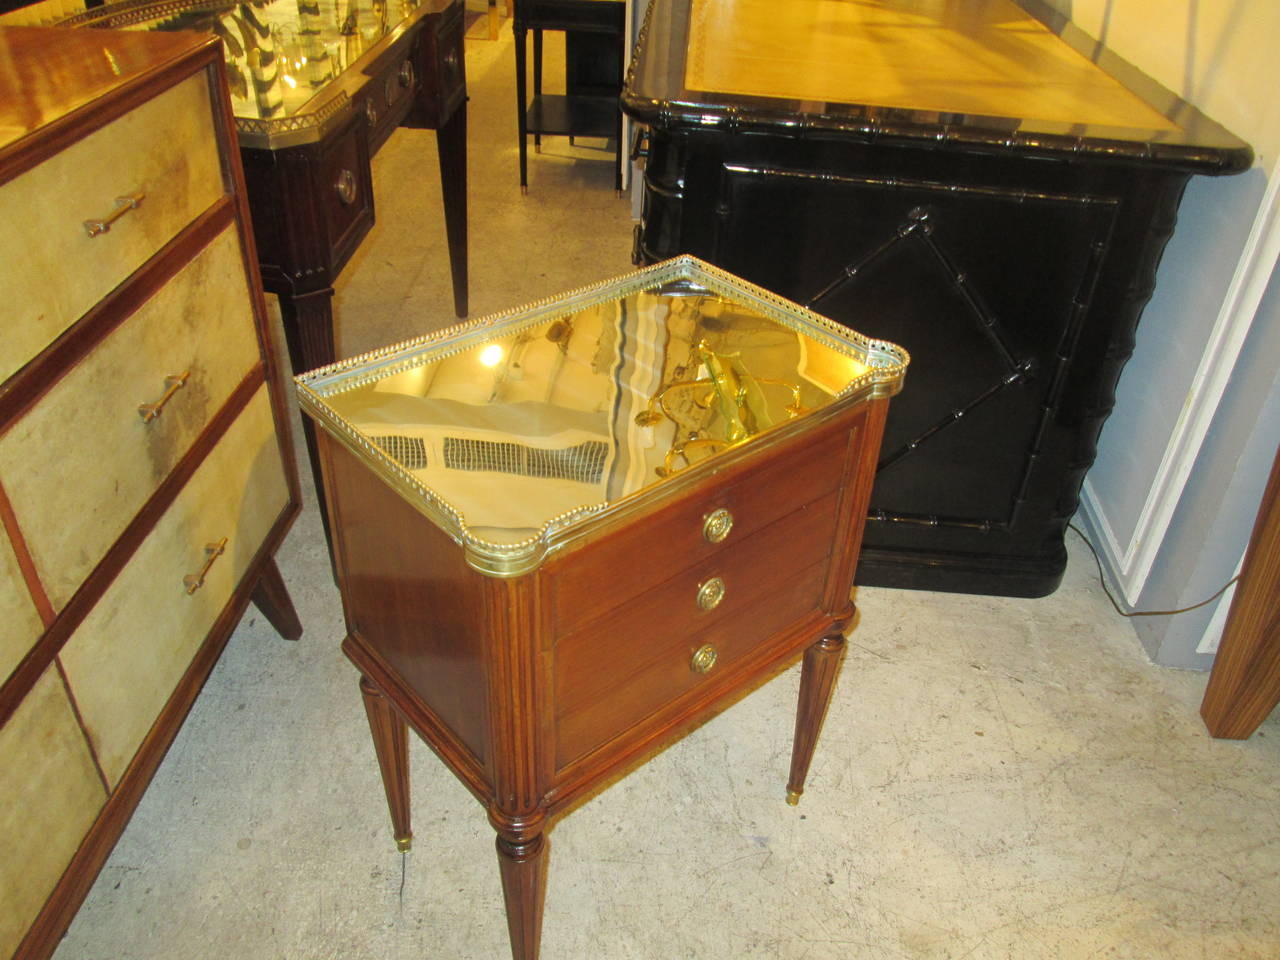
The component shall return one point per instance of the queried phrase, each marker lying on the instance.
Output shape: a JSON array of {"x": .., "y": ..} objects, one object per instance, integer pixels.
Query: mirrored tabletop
[
  {"x": 509, "y": 431},
  {"x": 286, "y": 59}
]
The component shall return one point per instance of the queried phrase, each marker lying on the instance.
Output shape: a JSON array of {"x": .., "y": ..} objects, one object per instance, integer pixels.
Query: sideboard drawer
[
  {"x": 165, "y": 149},
  {"x": 615, "y": 568},
  {"x": 51, "y": 796},
  {"x": 237, "y": 493},
  {"x": 620, "y": 669},
  {"x": 21, "y": 622},
  {"x": 193, "y": 340}
]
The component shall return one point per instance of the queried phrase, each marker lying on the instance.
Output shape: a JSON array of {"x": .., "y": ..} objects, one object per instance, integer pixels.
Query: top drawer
[
  {"x": 164, "y": 150},
  {"x": 616, "y": 567}
]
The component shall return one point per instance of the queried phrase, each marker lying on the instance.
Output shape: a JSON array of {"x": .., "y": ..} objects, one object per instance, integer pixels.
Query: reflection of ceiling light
[
  {"x": 290, "y": 81},
  {"x": 491, "y": 355}
]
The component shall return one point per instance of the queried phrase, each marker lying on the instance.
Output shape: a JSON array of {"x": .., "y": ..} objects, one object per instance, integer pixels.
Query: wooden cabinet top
[
  {"x": 974, "y": 75},
  {"x": 47, "y": 74},
  {"x": 519, "y": 432}
]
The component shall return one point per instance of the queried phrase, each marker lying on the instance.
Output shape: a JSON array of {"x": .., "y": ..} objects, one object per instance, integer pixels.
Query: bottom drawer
[
  {"x": 50, "y": 795},
  {"x": 128, "y": 655}
]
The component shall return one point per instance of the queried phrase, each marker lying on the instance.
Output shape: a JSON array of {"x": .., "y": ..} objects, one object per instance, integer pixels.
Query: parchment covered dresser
[{"x": 146, "y": 477}]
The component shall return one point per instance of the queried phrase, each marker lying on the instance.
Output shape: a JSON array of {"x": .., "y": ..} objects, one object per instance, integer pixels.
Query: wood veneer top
[
  {"x": 952, "y": 56},
  {"x": 74, "y": 68}
]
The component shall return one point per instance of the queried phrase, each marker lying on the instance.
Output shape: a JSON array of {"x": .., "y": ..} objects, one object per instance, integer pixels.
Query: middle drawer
[{"x": 198, "y": 328}]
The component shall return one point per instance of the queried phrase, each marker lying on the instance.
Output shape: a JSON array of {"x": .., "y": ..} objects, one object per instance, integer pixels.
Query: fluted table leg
[
  {"x": 817, "y": 680},
  {"x": 391, "y": 743},
  {"x": 523, "y": 864}
]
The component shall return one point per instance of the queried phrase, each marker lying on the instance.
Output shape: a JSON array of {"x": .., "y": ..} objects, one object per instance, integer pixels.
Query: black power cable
[{"x": 1144, "y": 613}]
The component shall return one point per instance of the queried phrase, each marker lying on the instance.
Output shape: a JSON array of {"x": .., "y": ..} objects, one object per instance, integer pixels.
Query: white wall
[{"x": 1182, "y": 461}]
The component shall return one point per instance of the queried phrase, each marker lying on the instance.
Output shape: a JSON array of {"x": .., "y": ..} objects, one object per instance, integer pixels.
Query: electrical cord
[{"x": 1144, "y": 613}]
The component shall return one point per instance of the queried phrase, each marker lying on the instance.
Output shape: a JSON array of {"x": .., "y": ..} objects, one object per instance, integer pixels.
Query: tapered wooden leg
[
  {"x": 817, "y": 680},
  {"x": 523, "y": 864},
  {"x": 451, "y": 145},
  {"x": 537, "y": 81},
  {"x": 391, "y": 743},
  {"x": 271, "y": 596},
  {"x": 308, "y": 333},
  {"x": 522, "y": 125}
]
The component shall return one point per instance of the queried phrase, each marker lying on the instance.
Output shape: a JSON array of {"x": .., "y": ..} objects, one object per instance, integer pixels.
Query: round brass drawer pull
[
  {"x": 717, "y": 524},
  {"x": 704, "y": 658},
  {"x": 345, "y": 187},
  {"x": 710, "y": 594}
]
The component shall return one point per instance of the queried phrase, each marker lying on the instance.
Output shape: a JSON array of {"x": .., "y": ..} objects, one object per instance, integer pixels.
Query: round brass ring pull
[
  {"x": 717, "y": 524},
  {"x": 704, "y": 658},
  {"x": 345, "y": 187},
  {"x": 710, "y": 594}
]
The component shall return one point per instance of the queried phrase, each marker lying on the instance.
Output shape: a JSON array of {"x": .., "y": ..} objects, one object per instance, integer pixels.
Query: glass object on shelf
[{"x": 280, "y": 53}]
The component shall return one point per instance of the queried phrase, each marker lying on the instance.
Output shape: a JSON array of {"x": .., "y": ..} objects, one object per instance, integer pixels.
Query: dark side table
[
  {"x": 594, "y": 29},
  {"x": 567, "y": 534}
]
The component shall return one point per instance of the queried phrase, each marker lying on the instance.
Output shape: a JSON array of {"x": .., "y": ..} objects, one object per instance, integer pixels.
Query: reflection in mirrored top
[
  {"x": 509, "y": 430},
  {"x": 279, "y": 53}
]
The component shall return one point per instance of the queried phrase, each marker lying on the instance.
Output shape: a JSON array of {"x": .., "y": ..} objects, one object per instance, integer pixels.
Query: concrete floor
[{"x": 996, "y": 778}]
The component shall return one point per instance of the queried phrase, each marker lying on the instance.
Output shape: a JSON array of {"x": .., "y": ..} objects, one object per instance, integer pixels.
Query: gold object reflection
[
  {"x": 725, "y": 407},
  {"x": 511, "y": 431}
]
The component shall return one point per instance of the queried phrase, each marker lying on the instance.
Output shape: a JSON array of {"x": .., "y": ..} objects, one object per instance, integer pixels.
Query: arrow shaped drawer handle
[
  {"x": 149, "y": 411},
  {"x": 96, "y": 228},
  {"x": 212, "y": 551}
]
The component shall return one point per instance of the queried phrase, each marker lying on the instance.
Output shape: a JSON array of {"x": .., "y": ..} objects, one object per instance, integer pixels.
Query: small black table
[{"x": 594, "y": 32}]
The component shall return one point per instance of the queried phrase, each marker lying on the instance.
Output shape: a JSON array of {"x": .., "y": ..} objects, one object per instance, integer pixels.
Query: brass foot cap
[
  {"x": 793, "y": 797},
  {"x": 524, "y": 189},
  {"x": 403, "y": 844}
]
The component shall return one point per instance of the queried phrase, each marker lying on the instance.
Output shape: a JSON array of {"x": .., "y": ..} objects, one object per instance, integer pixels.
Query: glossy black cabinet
[{"x": 1011, "y": 257}]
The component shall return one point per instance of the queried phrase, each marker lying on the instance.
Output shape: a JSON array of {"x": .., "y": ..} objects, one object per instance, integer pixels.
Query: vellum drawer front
[
  {"x": 164, "y": 149},
  {"x": 107, "y": 458},
  {"x": 50, "y": 795},
  {"x": 134, "y": 646},
  {"x": 20, "y": 625}
]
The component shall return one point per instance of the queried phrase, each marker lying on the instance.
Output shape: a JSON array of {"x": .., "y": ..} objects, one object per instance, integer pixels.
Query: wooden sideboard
[
  {"x": 567, "y": 534},
  {"x": 146, "y": 472}
]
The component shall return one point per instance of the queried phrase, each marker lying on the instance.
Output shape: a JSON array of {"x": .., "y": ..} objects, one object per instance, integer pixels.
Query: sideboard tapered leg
[
  {"x": 391, "y": 743},
  {"x": 817, "y": 680},
  {"x": 524, "y": 883}
]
